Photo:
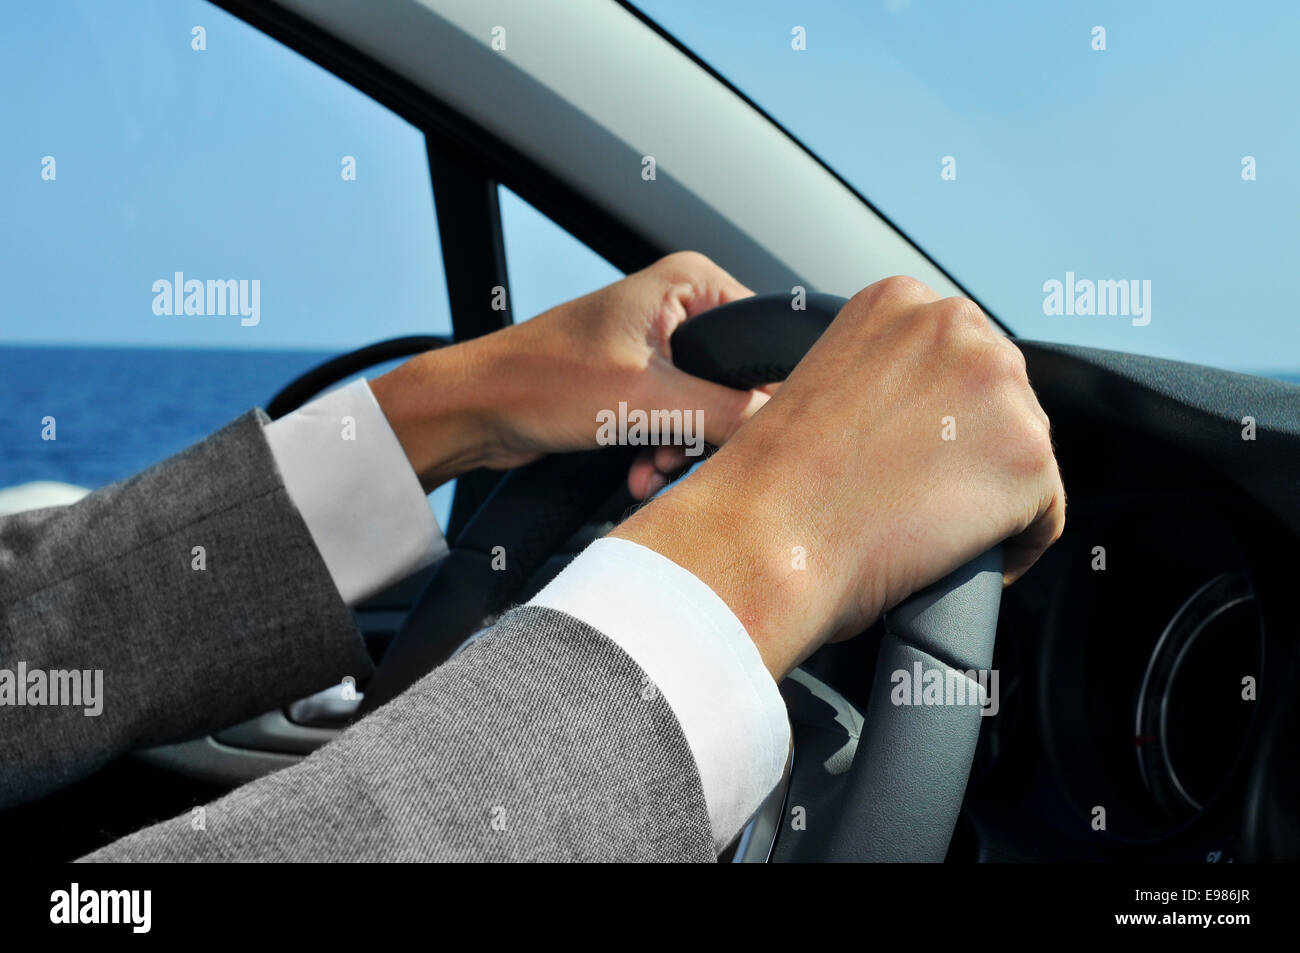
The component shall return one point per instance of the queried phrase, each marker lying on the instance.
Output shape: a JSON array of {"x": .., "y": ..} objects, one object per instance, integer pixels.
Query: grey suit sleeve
[
  {"x": 110, "y": 584},
  {"x": 541, "y": 741}
]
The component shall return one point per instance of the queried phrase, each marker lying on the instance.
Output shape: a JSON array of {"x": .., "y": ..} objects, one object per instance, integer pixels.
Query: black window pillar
[{"x": 474, "y": 256}]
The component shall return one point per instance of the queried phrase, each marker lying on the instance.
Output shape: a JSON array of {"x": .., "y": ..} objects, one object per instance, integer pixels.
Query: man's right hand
[{"x": 905, "y": 443}]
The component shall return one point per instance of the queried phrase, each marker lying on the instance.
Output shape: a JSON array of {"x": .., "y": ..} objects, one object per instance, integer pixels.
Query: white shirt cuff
[
  {"x": 347, "y": 474},
  {"x": 699, "y": 655}
]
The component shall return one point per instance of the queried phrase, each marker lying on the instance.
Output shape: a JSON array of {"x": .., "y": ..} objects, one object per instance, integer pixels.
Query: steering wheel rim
[{"x": 903, "y": 794}]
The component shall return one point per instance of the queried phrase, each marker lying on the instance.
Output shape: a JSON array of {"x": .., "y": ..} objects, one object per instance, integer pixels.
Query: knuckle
[
  {"x": 896, "y": 289},
  {"x": 1030, "y": 447},
  {"x": 685, "y": 261},
  {"x": 1006, "y": 363},
  {"x": 1058, "y": 517},
  {"x": 991, "y": 366},
  {"x": 1017, "y": 359},
  {"x": 961, "y": 315},
  {"x": 900, "y": 287},
  {"x": 957, "y": 325}
]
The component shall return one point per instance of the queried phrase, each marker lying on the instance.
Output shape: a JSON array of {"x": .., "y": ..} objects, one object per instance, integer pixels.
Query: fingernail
[{"x": 656, "y": 483}]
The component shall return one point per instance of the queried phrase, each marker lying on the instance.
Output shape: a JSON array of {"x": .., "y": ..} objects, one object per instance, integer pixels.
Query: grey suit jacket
[{"x": 535, "y": 743}]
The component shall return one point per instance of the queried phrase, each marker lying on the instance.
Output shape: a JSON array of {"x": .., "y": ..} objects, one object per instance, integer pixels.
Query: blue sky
[
  {"x": 1115, "y": 164},
  {"x": 222, "y": 163},
  {"x": 1122, "y": 164}
]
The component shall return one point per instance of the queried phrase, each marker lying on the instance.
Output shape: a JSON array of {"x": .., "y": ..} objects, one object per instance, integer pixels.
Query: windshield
[{"x": 1119, "y": 175}]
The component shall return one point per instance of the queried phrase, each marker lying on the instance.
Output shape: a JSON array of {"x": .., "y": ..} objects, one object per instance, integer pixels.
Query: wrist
[
  {"x": 748, "y": 554},
  {"x": 435, "y": 405}
]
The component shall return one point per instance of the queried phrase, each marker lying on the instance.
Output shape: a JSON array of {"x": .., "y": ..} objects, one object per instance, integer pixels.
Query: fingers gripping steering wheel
[{"x": 903, "y": 793}]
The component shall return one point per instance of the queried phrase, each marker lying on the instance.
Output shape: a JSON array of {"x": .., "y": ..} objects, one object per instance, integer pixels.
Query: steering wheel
[{"x": 901, "y": 797}]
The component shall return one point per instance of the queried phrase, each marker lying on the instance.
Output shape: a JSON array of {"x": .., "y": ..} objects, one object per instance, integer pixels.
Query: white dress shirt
[{"x": 347, "y": 474}]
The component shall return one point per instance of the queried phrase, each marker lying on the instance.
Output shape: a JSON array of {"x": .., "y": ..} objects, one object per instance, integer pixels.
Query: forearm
[
  {"x": 444, "y": 407},
  {"x": 192, "y": 592},
  {"x": 538, "y": 742},
  {"x": 741, "y": 546}
]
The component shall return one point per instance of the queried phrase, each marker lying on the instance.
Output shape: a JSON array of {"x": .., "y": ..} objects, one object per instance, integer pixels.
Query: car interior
[{"x": 1144, "y": 665}]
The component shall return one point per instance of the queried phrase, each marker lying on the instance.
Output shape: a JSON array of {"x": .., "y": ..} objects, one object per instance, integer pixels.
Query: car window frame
[{"x": 466, "y": 165}]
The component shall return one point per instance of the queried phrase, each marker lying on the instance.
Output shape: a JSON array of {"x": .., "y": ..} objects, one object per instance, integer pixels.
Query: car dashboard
[{"x": 1147, "y": 663}]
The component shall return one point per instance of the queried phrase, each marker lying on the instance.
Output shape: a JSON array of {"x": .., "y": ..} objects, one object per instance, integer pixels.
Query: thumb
[{"x": 717, "y": 411}]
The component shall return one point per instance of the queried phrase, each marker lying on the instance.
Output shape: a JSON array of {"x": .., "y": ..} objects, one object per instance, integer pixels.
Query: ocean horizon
[{"x": 118, "y": 410}]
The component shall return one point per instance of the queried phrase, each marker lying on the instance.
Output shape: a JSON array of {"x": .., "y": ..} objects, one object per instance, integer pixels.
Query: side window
[
  {"x": 547, "y": 265},
  {"x": 195, "y": 214}
]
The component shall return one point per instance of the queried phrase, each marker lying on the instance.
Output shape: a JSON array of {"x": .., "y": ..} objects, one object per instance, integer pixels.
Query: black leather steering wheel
[{"x": 904, "y": 791}]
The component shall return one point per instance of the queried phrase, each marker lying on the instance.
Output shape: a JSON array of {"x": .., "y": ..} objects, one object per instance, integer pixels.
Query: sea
[{"x": 117, "y": 411}]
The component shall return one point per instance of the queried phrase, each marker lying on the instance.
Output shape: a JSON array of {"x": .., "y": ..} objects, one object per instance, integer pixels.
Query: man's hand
[
  {"x": 510, "y": 397},
  {"x": 905, "y": 443}
]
